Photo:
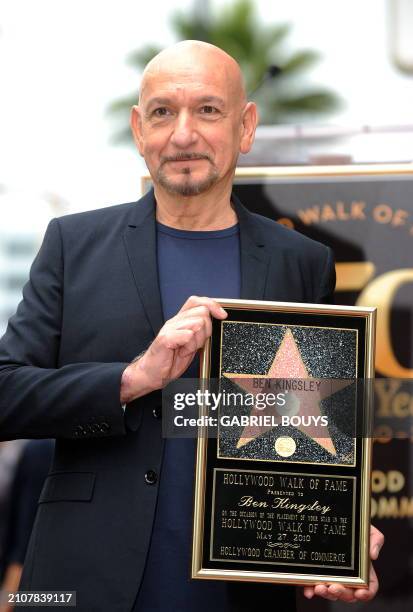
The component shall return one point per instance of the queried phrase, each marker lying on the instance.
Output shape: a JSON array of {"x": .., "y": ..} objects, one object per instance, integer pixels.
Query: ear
[
  {"x": 136, "y": 127},
  {"x": 248, "y": 127}
]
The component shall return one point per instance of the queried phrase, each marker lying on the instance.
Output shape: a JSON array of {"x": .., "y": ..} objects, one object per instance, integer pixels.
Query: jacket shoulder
[
  {"x": 285, "y": 237},
  {"x": 97, "y": 216}
]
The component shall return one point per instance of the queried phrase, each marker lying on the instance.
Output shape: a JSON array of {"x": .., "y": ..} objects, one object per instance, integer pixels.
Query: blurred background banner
[{"x": 334, "y": 86}]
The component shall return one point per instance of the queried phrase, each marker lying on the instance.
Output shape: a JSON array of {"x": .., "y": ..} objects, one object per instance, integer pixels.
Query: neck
[{"x": 203, "y": 212}]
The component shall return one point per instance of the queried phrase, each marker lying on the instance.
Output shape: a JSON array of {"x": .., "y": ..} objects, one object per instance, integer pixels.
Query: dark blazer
[{"x": 92, "y": 303}]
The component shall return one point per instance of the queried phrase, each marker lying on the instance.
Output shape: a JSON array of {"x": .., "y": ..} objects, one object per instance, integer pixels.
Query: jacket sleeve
[
  {"x": 38, "y": 399},
  {"x": 328, "y": 279}
]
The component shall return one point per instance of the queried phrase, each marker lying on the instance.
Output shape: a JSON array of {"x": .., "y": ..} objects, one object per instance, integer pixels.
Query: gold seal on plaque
[{"x": 285, "y": 446}]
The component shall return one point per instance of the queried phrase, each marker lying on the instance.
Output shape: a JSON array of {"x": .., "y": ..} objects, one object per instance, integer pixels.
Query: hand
[
  {"x": 335, "y": 592},
  {"x": 173, "y": 349}
]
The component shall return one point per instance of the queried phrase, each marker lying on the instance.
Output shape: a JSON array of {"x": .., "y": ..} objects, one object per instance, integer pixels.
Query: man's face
[{"x": 189, "y": 126}]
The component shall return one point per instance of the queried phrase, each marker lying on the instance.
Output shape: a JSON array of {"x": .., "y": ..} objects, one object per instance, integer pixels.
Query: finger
[
  {"x": 342, "y": 593},
  {"x": 201, "y": 336},
  {"x": 309, "y": 592},
  {"x": 331, "y": 592},
  {"x": 200, "y": 326},
  {"x": 188, "y": 335},
  {"x": 171, "y": 340},
  {"x": 214, "y": 308},
  {"x": 376, "y": 542},
  {"x": 197, "y": 312},
  {"x": 195, "y": 323},
  {"x": 185, "y": 353},
  {"x": 166, "y": 360},
  {"x": 201, "y": 310},
  {"x": 321, "y": 590},
  {"x": 190, "y": 348}
]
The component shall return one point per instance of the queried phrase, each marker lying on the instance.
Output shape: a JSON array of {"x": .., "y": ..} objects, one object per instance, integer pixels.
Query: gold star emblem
[{"x": 287, "y": 364}]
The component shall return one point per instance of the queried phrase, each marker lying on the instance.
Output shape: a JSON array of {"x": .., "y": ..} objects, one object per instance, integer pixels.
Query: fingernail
[{"x": 376, "y": 551}]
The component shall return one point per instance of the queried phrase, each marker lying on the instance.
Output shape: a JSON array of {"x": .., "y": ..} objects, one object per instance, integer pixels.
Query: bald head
[
  {"x": 188, "y": 57},
  {"x": 193, "y": 119}
]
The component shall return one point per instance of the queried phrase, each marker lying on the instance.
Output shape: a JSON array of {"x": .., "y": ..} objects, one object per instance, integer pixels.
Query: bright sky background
[{"x": 62, "y": 62}]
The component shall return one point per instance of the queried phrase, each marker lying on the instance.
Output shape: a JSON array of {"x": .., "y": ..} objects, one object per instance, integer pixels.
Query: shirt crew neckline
[{"x": 197, "y": 234}]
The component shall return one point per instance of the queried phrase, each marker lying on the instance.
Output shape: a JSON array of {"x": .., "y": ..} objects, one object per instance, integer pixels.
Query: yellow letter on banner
[{"x": 380, "y": 293}]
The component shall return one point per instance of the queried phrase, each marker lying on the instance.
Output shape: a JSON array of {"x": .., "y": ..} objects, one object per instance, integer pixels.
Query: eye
[
  {"x": 162, "y": 111},
  {"x": 208, "y": 109}
]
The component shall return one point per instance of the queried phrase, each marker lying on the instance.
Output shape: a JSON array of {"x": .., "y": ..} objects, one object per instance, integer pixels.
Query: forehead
[{"x": 185, "y": 81}]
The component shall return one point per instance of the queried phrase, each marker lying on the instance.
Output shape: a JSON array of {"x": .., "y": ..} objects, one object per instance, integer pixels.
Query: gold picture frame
[{"x": 353, "y": 565}]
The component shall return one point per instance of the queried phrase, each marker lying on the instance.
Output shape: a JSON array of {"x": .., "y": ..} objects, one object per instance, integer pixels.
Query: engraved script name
[{"x": 283, "y": 502}]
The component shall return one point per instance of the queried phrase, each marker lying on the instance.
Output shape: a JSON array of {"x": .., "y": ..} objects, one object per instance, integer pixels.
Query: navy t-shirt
[
  {"x": 203, "y": 263},
  {"x": 197, "y": 263}
]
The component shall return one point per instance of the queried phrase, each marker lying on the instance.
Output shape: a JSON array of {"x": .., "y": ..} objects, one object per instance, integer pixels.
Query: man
[{"x": 114, "y": 516}]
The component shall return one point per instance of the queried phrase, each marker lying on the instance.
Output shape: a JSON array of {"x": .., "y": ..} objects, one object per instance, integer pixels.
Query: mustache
[{"x": 185, "y": 157}]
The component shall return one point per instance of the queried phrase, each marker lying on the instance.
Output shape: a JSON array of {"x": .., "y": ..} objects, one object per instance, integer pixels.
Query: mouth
[
  {"x": 186, "y": 166},
  {"x": 186, "y": 162},
  {"x": 186, "y": 159}
]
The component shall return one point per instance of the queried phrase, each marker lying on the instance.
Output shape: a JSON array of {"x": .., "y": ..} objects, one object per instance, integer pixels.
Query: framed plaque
[{"x": 282, "y": 486}]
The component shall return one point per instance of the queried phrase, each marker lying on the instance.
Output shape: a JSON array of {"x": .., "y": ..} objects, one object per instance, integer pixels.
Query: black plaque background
[
  {"x": 259, "y": 316},
  {"x": 322, "y": 497}
]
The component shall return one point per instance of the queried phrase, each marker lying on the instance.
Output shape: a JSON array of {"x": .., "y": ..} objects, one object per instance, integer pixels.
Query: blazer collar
[
  {"x": 140, "y": 242},
  {"x": 254, "y": 255}
]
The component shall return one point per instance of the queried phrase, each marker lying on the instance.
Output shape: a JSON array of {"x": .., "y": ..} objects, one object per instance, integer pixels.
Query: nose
[{"x": 184, "y": 134}]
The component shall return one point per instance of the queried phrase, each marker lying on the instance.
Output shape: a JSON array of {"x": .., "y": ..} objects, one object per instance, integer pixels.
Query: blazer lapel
[
  {"x": 254, "y": 256},
  {"x": 140, "y": 243}
]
